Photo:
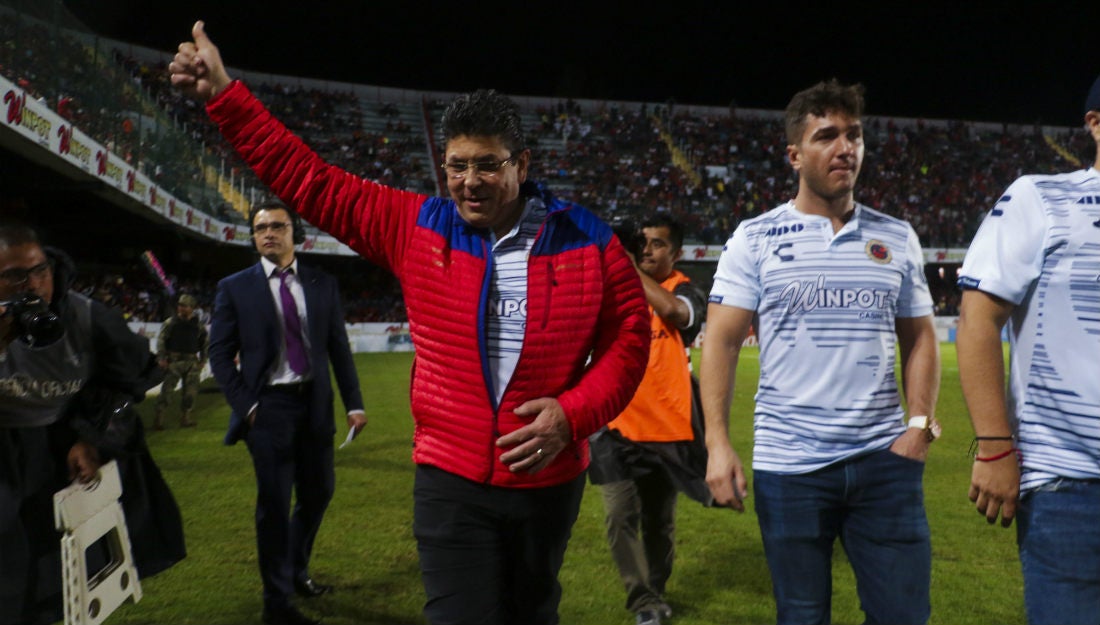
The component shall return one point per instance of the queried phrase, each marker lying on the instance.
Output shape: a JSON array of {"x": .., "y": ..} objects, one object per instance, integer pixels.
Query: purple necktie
[{"x": 295, "y": 350}]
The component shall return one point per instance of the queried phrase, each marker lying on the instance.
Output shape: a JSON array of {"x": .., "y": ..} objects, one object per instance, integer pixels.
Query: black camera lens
[
  {"x": 630, "y": 235},
  {"x": 34, "y": 323}
]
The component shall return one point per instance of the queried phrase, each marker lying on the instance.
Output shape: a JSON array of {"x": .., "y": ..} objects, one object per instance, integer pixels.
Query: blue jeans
[
  {"x": 1058, "y": 531},
  {"x": 875, "y": 505}
]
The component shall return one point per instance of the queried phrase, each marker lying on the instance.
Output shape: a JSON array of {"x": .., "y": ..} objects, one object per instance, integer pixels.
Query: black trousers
[
  {"x": 491, "y": 555},
  {"x": 32, "y": 469},
  {"x": 289, "y": 457}
]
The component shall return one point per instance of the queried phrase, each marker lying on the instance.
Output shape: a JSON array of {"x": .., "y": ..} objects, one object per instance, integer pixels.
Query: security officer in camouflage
[{"x": 182, "y": 350}]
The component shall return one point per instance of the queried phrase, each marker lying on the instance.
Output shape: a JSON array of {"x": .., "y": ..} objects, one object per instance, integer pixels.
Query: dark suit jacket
[{"x": 245, "y": 321}]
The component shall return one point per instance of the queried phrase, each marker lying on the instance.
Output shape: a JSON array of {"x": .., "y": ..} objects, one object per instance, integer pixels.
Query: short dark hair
[
  {"x": 828, "y": 96},
  {"x": 484, "y": 113},
  {"x": 664, "y": 220},
  {"x": 14, "y": 233},
  {"x": 267, "y": 205},
  {"x": 1092, "y": 100},
  {"x": 299, "y": 232}
]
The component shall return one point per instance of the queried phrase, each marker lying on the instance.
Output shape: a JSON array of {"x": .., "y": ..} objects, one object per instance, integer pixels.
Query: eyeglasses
[
  {"x": 17, "y": 277},
  {"x": 278, "y": 227},
  {"x": 481, "y": 169}
]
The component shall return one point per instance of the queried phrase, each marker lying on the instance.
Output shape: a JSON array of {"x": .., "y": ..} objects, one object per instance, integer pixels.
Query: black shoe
[
  {"x": 287, "y": 616},
  {"x": 309, "y": 588}
]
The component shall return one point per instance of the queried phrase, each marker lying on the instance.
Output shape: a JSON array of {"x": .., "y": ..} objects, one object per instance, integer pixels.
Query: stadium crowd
[{"x": 708, "y": 167}]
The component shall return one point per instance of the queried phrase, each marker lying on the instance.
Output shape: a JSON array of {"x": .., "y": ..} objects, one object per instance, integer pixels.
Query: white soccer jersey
[
  {"x": 826, "y": 306},
  {"x": 1039, "y": 248}
]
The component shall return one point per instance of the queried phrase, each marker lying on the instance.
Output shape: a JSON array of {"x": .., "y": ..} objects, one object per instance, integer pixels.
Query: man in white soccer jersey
[
  {"x": 1035, "y": 266},
  {"x": 835, "y": 288}
]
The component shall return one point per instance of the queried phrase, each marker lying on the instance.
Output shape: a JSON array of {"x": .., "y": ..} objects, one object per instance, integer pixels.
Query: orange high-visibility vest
[{"x": 661, "y": 408}]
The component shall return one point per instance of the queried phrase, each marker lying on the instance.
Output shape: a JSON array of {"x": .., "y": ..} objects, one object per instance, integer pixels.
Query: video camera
[
  {"x": 33, "y": 321},
  {"x": 631, "y": 236}
]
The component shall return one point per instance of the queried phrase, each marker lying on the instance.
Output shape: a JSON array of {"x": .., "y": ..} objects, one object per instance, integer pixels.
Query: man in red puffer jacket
[{"x": 530, "y": 327}]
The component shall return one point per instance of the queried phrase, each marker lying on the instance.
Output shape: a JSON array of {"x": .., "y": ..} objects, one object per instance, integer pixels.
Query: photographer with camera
[{"x": 63, "y": 360}]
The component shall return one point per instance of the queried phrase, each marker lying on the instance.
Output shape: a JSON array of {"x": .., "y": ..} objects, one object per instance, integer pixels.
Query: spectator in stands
[
  {"x": 1033, "y": 268},
  {"x": 182, "y": 345},
  {"x": 61, "y": 353},
  {"x": 531, "y": 333},
  {"x": 654, "y": 449},
  {"x": 835, "y": 289}
]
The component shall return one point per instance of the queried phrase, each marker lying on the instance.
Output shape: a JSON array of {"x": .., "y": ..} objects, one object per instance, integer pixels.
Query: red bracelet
[{"x": 1003, "y": 454}]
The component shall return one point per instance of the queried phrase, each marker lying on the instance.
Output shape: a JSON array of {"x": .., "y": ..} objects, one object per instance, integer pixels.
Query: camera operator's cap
[
  {"x": 188, "y": 300},
  {"x": 1092, "y": 102}
]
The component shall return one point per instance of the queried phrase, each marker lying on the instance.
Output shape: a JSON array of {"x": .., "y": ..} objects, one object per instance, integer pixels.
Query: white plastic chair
[{"x": 86, "y": 514}]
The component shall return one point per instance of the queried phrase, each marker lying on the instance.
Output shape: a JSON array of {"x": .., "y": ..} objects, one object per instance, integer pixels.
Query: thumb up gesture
[{"x": 197, "y": 68}]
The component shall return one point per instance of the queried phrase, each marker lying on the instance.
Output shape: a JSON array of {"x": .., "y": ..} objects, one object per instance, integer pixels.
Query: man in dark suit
[{"x": 284, "y": 322}]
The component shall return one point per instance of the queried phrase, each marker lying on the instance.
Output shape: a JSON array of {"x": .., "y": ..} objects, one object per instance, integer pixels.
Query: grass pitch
[{"x": 367, "y": 550}]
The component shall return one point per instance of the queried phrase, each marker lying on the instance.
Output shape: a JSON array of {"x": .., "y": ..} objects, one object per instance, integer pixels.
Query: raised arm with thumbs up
[
  {"x": 501, "y": 454},
  {"x": 197, "y": 68}
]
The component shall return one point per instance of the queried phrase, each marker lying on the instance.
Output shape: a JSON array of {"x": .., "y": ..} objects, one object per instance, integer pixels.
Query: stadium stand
[{"x": 709, "y": 166}]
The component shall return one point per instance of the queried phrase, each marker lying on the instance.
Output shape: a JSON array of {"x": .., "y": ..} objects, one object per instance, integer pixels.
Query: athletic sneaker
[
  {"x": 648, "y": 617},
  {"x": 664, "y": 610}
]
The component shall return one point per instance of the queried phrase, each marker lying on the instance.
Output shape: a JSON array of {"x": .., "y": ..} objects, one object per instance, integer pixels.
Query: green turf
[{"x": 367, "y": 550}]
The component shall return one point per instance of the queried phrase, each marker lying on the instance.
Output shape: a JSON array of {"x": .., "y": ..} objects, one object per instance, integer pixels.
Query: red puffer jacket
[{"x": 587, "y": 336}]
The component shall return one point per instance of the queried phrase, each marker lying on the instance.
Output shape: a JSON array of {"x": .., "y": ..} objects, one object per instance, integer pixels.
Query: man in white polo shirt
[
  {"x": 1034, "y": 266},
  {"x": 834, "y": 289}
]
